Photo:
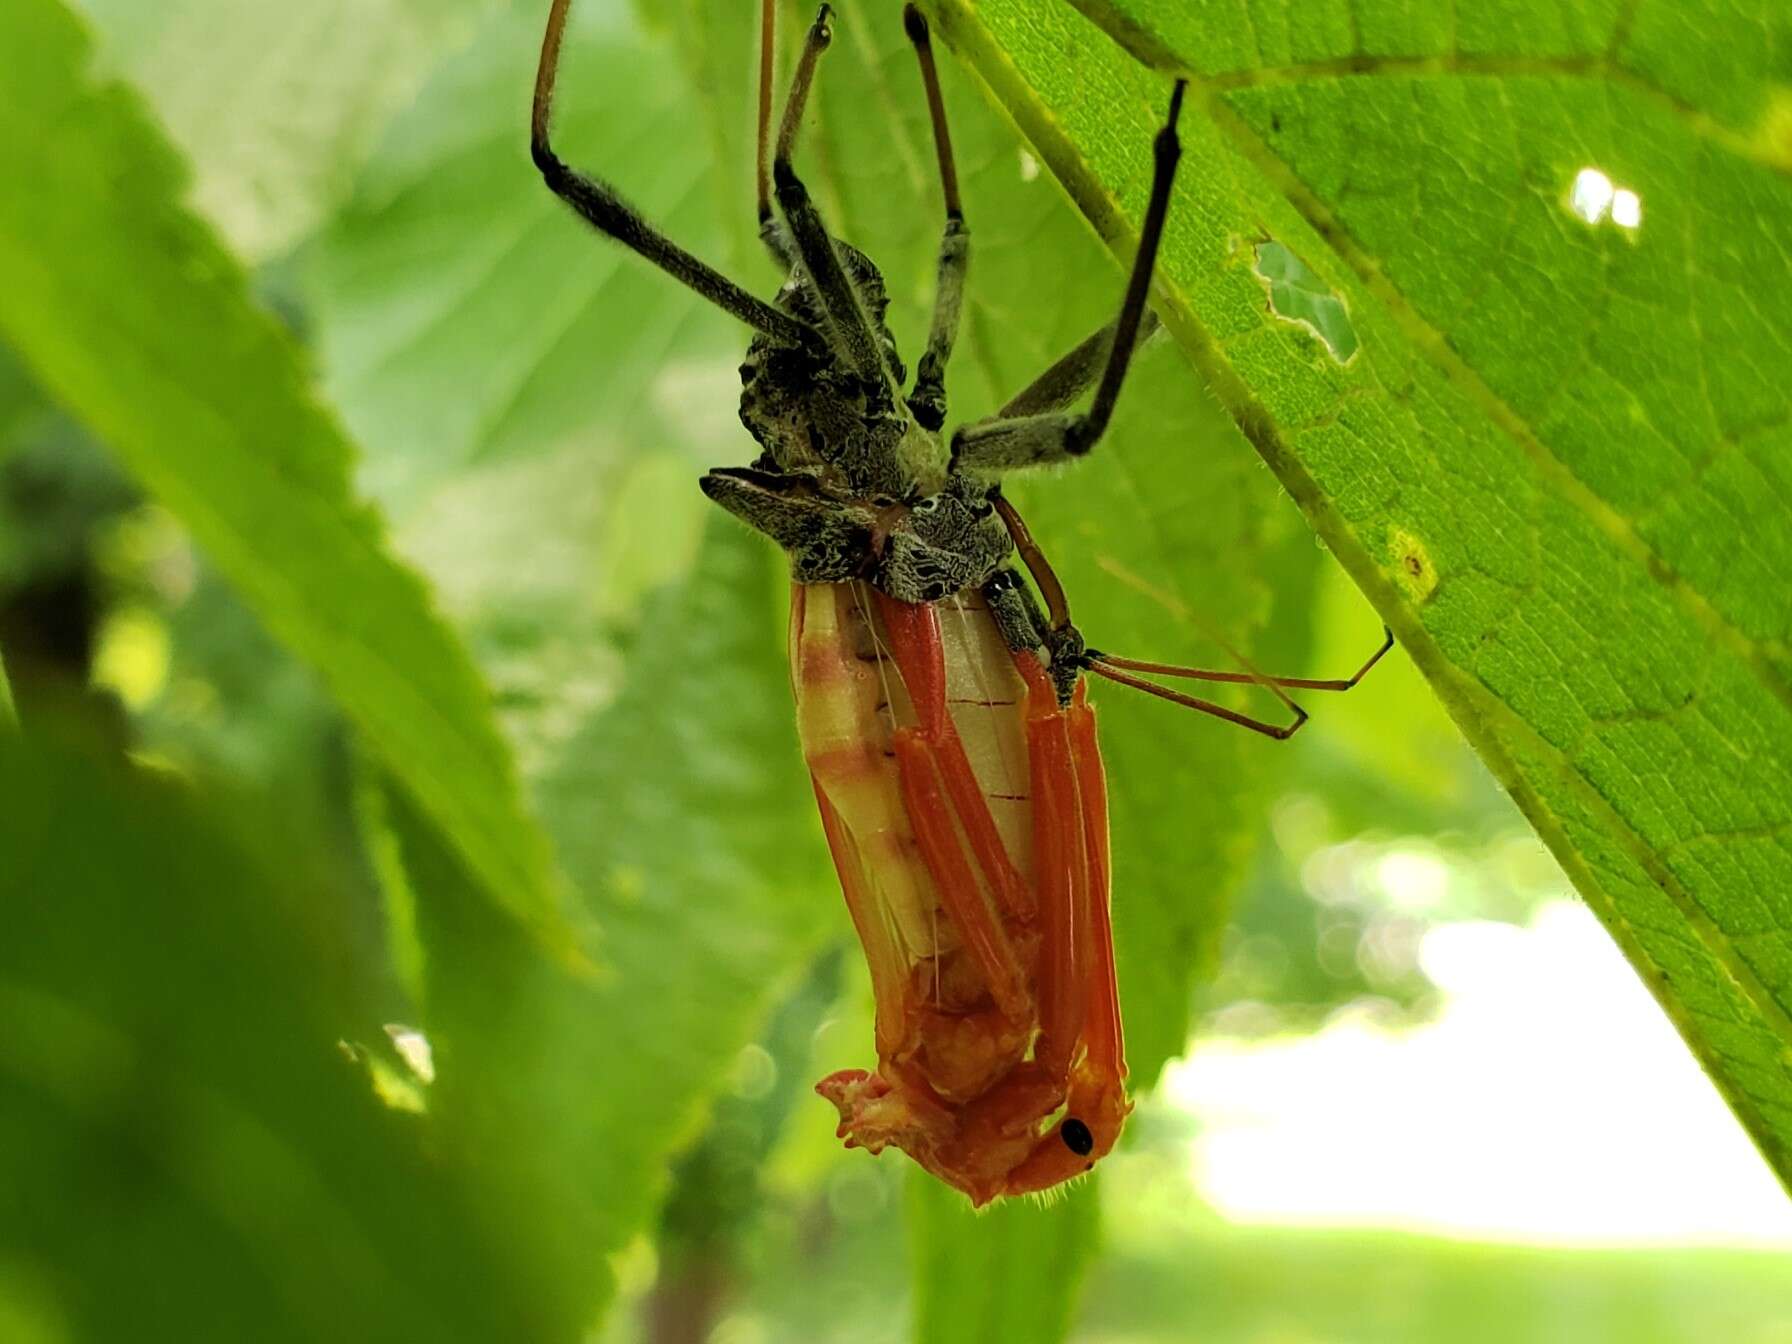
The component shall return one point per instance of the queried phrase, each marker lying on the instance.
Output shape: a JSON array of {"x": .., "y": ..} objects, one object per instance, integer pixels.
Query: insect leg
[
  {"x": 1061, "y": 640},
  {"x": 600, "y": 205},
  {"x": 1120, "y": 669},
  {"x": 1061, "y": 872},
  {"x": 1251, "y": 678},
  {"x": 850, "y": 330},
  {"x": 928, "y": 401},
  {"x": 1053, "y": 436},
  {"x": 915, "y": 644},
  {"x": 931, "y": 813}
]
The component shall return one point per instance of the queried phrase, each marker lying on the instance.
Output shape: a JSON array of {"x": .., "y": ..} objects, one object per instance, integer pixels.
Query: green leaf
[
  {"x": 1012, "y": 1271},
  {"x": 277, "y": 104},
  {"x": 9, "y": 715},
  {"x": 135, "y": 319},
  {"x": 187, "y": 1150},
  {"x": 677, "y": 808},
  {"x": 535, "y": 450},
  {"x": 1558, "y": 462}
]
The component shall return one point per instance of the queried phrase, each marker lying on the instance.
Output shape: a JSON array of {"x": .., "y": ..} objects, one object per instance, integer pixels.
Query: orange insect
[{"x": 941, "y": 705}]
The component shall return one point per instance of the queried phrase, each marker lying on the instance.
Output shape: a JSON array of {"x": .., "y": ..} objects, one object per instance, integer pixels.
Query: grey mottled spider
[{"x": 853, "y": 478}]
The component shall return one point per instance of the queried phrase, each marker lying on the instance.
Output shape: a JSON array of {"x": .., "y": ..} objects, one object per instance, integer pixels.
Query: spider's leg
[
  {"x": 1053, "y": 436},
  {"x": 1073, "y": 374},
  {"x": 928, "y": 401},
  {"x": 600, "y": 205},
  {"x": 849, "y": 329},
  {"x": 771, "y": 229}
]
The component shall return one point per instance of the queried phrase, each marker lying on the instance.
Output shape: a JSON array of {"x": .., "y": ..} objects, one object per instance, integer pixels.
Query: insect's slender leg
[
  {"x": 1053, "y": 436},
  {"x": 1057, "y": 605},
  {"x": 1101, "y": 1023},
  {"x": 1080, "y": 1039},
  {"x": 849, "y": 329},
  {"x": 1073, "y": 374},
  {"x": 916, "y": 646},
  {"x": 1281, "y": 732},
  {"x": 599, "y": 204},
  {"x": 936, "y": 836},
  {"x": 1250, "y": 678},
  {"x": 928, "y": 401},
  {"x": 1059, "y": 871}
]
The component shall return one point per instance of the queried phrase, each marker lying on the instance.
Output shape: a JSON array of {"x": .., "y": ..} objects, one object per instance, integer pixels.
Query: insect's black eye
[
  {"x": 1077, "y": 1137},
  {"x": 929, "y": 505},
  {"x": 982, "y": 509},
  {"x": 882, "y": 502}
]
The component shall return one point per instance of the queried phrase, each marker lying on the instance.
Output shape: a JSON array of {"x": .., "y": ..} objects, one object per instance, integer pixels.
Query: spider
[{"x": 854, "y": 479}]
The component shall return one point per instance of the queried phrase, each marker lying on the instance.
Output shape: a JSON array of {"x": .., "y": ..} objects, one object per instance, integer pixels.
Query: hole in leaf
[
  {"x": 1627, "y": 208},
  {"x": 1297, "y": 295},
  {"x": 1592, "y": 195}
]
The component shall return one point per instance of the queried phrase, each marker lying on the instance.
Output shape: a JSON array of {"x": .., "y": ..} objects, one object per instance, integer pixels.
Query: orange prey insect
[{"x": 941, "y": 705}]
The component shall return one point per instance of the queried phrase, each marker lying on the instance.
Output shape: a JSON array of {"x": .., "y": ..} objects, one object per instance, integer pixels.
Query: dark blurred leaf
[
  {"x": 713, "y": 1209},
  {"x": 1558, "y": 462},
  {"x": 185, "y": 1151},
  {"x": 676, "y": 809},
  {"x": 134, "y": 318}
]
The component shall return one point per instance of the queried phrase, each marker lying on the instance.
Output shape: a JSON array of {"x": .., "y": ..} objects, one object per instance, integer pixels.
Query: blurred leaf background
[{"x": 351, "y": 566}]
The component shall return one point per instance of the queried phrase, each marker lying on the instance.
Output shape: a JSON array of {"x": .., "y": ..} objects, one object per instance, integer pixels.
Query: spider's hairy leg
[
  {"x": 1050, "y": 435},
  {"x": 1073, "y": 374},
  {"x": 928, "y": 401},
  {"x": 771, "y": 229},
  {"x": 599, "y": 205},
  {"x": 771, "y": 233},
  {"x": 849, "y": 329}
]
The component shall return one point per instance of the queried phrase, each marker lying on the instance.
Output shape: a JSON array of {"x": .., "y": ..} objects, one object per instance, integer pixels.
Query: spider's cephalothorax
[{"x": 849, "y": 481}]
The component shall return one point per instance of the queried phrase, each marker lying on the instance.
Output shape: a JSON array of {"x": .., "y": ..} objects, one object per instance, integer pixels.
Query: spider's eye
[{"x": 1077, "y": 1137}]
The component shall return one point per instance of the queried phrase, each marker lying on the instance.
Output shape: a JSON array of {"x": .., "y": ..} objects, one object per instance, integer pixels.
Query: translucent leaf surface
[
  {"x": 131, "y": 314},
  {"x": 1558, "y": 464},
  {"x": 276, "y": 104}
]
